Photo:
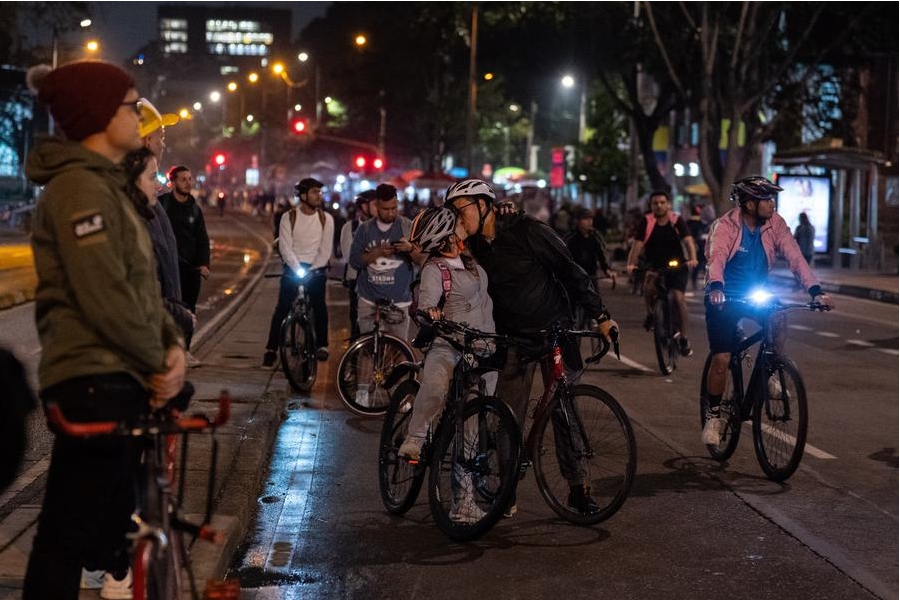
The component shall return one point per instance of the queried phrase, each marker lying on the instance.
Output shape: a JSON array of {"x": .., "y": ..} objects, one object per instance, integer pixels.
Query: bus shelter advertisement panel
[{"x": 812, "y": 195}]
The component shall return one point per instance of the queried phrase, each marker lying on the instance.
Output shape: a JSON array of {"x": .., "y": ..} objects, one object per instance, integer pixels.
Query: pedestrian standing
[
  {"x": 805, "y": 234},
  {"x": 347, "y": 232}
]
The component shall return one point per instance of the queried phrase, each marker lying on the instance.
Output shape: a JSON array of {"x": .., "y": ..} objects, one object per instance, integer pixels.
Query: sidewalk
[{"x": 231, "y": 351}]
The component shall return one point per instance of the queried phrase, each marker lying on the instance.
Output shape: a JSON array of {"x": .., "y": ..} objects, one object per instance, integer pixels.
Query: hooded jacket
[
  {"x": 98, "y": 305},
  {"x": 777, "y": 240}
]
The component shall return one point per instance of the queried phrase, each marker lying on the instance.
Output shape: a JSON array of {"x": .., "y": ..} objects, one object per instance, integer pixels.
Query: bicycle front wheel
[
  {"x": 474, "y": 468},
  {"x": 730, "y": 410},
  {"x": 780, "y": 420},
  {"x": 298, "y": 352},
  {"x": 156, "y": 569},
  {"x": 398, "y": 480},
  {"x": 666, "y": 351},
  {"x": 363, "y": 370},
  {"x": 584, "y": 439}
]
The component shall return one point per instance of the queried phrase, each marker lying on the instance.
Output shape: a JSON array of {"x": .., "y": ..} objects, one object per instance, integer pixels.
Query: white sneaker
[
  {"x": 362, "y": 397},
  {"x": 466, "y": 511},
  {"x": 713, "y": 430},
  {"x": 190, "y": 361},
  {"x": 114, "y": 589},
  {"x": 92, "y": 580}
]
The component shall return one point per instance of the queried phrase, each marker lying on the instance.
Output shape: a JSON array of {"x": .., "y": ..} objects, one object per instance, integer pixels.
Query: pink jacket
[{"x": 777, "y": 239}]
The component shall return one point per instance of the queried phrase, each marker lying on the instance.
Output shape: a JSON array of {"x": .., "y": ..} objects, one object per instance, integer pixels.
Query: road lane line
[
  {"x": 635, "y": 365},
  {"x": 25, "y": 479},
  {"x": 800, "y": 327},
  {"x": 889, "y": 351},
  {"x": 809, "y": 448},
  {"x": 827, "y": 334},
  {"x": 862, "y": 343}
]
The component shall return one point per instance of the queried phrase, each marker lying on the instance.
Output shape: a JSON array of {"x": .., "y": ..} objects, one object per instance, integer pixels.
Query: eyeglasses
[{"x": 136, "y": 106}]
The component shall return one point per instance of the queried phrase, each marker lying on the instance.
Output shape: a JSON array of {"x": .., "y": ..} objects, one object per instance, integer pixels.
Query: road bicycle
[
  {"x": 774, "y": 399},
  {"x": 297, "y": 346},
  {"x": 368, "y": 361},
  {"x": 471, "y": 456},
  {"x": 666, "y": 319},
  {"x": 580, "y": 434},
  {"x": 160, "y": 558}
]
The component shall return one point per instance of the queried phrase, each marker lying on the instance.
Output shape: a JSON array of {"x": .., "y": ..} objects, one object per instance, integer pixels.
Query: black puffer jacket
[{"x": 532, "y": 276}]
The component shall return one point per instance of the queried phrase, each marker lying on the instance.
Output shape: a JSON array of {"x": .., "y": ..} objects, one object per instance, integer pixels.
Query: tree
[{"x": 601, "y": 163}]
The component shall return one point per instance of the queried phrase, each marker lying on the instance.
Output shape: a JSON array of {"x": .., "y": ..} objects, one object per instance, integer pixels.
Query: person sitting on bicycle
[
  {"x": 304, "y": 242},
  {"x": 588, "y": 248},
  {"x": 534, "y": 282},
  {"x": 453, "y": 286},
  {"x": 741, "y": 250},
  {"x": 660, "y": 236}
]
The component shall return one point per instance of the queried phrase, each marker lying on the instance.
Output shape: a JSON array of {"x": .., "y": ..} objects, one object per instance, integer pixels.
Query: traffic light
[
  {"x": 360, "y": 162},
  {"x": 299, "y": 126},
  {"x": 378, "y": 164},
  {"x": 219, "y": 159},
  {"x": 365, "y": 163}
]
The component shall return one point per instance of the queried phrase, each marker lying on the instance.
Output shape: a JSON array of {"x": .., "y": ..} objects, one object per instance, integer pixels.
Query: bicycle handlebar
[{"x": 161, "y": 423}]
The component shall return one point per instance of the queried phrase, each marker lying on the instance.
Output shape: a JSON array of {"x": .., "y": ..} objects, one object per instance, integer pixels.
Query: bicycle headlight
[
  {"x": 673, "y": 264},
  {"x": 301, "y": 272},
  {"x": 760, "y": 297}
]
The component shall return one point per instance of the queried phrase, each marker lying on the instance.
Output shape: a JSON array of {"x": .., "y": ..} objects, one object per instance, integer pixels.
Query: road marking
[
  {"x": 827, "y": 334},
  {"x": 635, "y": 365},
  {"x": 862, "y": 343},
  {"x": 889, "y": 351},
  {"x": 786, "y": 437},
  {"x": 800, "y": 327},
  {"x": 25, "y": 479}
]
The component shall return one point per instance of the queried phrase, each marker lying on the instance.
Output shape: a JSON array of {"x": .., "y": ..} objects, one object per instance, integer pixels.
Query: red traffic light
[
  {"x": 299, "y": 126},
  {"x": 360, "y": 162},
  {"x": 378, "y": 164},
  {"x": 219, "y": 159}
]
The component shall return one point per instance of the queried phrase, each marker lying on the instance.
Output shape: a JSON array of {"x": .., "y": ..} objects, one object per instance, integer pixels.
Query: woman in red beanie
[{"x": 109, "y": 349}]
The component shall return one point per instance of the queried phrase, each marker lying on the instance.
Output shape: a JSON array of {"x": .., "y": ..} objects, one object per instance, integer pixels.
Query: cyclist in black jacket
[{"x": 534, "y": 282}]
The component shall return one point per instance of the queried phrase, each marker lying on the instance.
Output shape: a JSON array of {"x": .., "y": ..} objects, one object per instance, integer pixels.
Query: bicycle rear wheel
[
  {"x": 780, "y": 419},
  {"x": 398, "y": 480},
  {"x": 156, "y": 569},
  {"x": 730, "y": 410},
  {"x": 298, "y": 358},
  {"x": 585, "y": 439},
  {"x": 363, "y": 370},
  {"x": 666, "y": 350},
  {"x": 471, "y": 479}
]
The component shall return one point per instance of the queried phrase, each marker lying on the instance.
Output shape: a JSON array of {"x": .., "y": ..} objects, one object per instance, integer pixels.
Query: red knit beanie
[{"x": 82, "y": 96}]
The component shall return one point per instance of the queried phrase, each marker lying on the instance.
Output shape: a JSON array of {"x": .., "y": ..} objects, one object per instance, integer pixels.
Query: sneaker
[
  {"x": 466, "y": 511},
  {"x": 580, "y": 499},
  {"x": 684, "y": 346},
  {"x": 362, "y": 397},
  {"x": 410, "y": 449},
  {"x": 322, "y": 354},
  {"x": 510, "y": 511},
  {"x": 648, "y": 323},
  {"x": 269, "y": 359},
  {"x": 92, "y": 580},
  {"x": 116, "y": 589},
  {"x": 190, "y": 361},
  {"x": 713, "y": 430}
]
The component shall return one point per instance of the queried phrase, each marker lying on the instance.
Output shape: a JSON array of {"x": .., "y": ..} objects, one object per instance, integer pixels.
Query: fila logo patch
[{"x": 89, "y": 225}]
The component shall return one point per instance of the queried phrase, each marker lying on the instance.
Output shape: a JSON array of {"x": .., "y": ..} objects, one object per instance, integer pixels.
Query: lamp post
[{"x": 54, "y": 56}]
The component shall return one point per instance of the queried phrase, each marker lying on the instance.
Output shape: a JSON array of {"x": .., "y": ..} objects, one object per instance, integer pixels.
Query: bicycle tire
[
  {"x": 729, "y": 409},
  {"x": 362, "y": 353},
  {"x": 663, "y": 341},
  {"x": 780, "y": 424},
  {"x": 156, "y": 569},
  {"x": 608, "y": 470},
  {"x": 398, "y": 480},
  {"x": 478, "y": 454},
  {"x": 298, "y": 358}
]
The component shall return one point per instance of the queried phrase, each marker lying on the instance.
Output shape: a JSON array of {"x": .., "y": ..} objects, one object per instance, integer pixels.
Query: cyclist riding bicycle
[
  {"x": 660, "y": 236},
  {"x": 741, "y": 250},
  {"x": 534, "y": 283}
]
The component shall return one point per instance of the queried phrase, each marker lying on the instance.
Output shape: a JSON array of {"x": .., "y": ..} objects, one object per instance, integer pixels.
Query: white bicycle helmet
[
  {"x": 432, "y": 227},
  {"x": 469, "y": 187}
]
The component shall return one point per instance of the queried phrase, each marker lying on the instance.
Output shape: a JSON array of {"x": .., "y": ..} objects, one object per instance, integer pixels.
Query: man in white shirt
[{"x": 305, "y": 237}]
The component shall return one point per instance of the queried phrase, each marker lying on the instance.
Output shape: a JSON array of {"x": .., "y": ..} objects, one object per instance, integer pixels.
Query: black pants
[
  {"x": 354, "y": 309},
  {"x": 90, "y": 492},
  {"x": 287, "y": 293},
  {"x": 190, "y": 291}
]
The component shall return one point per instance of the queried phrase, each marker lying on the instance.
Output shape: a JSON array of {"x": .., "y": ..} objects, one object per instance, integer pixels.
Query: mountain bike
[
  {"x": 580, "y": 434},
  {"x": 160, "y": 556},
  {"x": 774, "y": 399},
  {"x": 368, "y": 361},
  {"x": 297, "y": 346},
  {"x": 666, "y": 318},
  {"x": 472, "y": 455}
]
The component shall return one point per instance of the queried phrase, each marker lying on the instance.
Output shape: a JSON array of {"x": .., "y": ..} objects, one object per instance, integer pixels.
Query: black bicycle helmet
[
  {"x": 304, "y": 185},
  {"x": 432, "y": 227},
  {"x": 755, "y": 187}
]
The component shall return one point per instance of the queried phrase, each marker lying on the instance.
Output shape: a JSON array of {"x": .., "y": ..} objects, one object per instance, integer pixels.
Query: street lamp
[{"x": 568, "y": 82}]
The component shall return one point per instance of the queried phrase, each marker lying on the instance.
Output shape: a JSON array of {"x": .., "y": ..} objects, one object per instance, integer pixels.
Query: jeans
[{"x": 287, "y": 293}]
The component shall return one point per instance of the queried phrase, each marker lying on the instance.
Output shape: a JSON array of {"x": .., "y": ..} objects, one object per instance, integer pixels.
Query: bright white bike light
[
  {"x": 760, "y": 296},
  {"x": 301, "y": 272}
]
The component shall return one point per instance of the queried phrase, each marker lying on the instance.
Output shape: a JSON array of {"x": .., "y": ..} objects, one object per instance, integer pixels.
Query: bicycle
[
  {"x": 666, "y": 319},
  {"x": 366, "y": 364},
  {"x": 297, "y": 348},
  {"x": 774, "y": 399},
  {"x": 584, "y": 423},
  {"x": 160, "y": 556},
  {"x": 474, "y": 448}
]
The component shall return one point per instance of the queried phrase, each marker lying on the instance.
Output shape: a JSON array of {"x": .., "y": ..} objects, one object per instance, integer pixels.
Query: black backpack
[{"x": 15, "y": 404}]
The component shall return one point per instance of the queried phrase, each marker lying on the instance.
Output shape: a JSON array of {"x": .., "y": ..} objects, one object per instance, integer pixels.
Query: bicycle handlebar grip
[{"x": 59, "y": 423}]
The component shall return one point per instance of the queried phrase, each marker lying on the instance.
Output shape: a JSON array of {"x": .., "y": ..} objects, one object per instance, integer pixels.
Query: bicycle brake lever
[{"x": 614, "y": 336}]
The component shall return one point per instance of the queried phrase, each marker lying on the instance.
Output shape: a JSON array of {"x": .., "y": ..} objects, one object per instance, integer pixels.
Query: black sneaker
[
  {"x": 269, "y": 359},
  {"x": 580, "y": 499},
  {"x": 322, "y": 354},
  {"x": 648, "y": 323},
  {"x": 685, "y": 346}
]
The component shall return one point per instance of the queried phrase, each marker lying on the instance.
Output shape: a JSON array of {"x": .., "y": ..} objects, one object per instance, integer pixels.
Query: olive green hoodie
[{"x": 98, "y": 306}]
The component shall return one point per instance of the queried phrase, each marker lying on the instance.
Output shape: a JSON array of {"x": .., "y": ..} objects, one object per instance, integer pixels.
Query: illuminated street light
[
  {"x": 232, "y": 86},
  {"x": 197, "y": 106},
  {"x": 488, "y": 76},
  {"x": 215, "y": 96},
  {"x": 253, "y": 77},
  {"x": 184, "y": 113},
  {"x": 568, "y": 81},
  {"x": 92, "y": 46},
  {"x": 360, "y": 40}
]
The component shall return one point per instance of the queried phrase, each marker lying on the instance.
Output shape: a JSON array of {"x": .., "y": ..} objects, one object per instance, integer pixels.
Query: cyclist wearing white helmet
[
  {"x": 741, "y": 250},
  {"x": 534, "y": 282},
  {"x": 453, "y": 286}
]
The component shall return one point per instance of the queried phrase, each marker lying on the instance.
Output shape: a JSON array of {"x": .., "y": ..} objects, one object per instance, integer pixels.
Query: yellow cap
[{"x": 151, "y": 119}]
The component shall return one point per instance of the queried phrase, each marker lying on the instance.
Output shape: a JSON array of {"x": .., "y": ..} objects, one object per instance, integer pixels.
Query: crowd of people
[{"x": 120, "y": 267}]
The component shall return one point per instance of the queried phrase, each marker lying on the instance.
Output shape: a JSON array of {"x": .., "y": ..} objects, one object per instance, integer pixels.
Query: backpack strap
[
  {"x": 446, "y": 283},
  {"x": 651, "y": 223}
]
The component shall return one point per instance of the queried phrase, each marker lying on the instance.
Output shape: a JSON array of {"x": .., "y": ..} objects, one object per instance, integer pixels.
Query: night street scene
[{"x": 403, "y": 300}]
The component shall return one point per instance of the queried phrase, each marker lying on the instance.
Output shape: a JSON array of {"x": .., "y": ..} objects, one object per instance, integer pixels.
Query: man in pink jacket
[{"x": 740, "y": 252}]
